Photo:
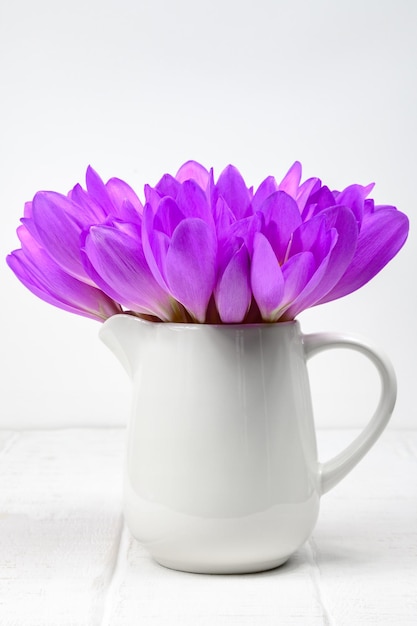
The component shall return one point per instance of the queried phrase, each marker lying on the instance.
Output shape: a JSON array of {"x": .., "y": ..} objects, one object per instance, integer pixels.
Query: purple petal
[
  {"x": 126, "y": 204},
  {"x": 313, "y": 236},
  {"x": 382, "y": 235},
  {"x": 353, "y": 197},
  {"x": 59, "y": 231},
  {"x": 168, "y": 216},
  {"x": 116, "y": 262},
  {"x": 246, "y": 229},
  {"x": 291, "y": 180},
  {"x": 266, "y": 277},
  {"x": 168, "y": 186},
  {"x": 318, "y": 201},
  {"x": 152, "y": 197},
  {"x": 343, "y": 221},
  {"x": 368, "y": 188},
  {"x": 43, "y": 277},
  {"x": 282, "y": 218},
  {"x": 297, "y": 272},
  {"x": 371, "y": 207},
  {"x": 97, "y": 189},
  {"x": 233, "y": 294},
  {"x": 342, "y": 233},
  {"x": 192, "y": 201},
  {"x": 191, "y": 265},
  {"x": 191, "y": 170},
  {"x": 232, "y": 188},
  {"x": 28, "y": 210},
  {"x": 309, "y": 186},
  {"x": 265, "y": 189},
  {"x": 155, "y": 246},
  {"x": 223, "y": 218},
  {"x": 30, "y": 226},
  {"x": 89, "y": 211}
]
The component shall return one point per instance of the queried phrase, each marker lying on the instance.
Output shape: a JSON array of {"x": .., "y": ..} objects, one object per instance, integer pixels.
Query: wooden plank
[
  {"x": 365, "y": 543},
  {"x": 7, "y": 439},
  {"x": 59, "y": 526}
]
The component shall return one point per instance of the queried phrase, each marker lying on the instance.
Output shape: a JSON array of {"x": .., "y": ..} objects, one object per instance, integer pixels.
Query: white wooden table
[{"x": 67, "y": 560}]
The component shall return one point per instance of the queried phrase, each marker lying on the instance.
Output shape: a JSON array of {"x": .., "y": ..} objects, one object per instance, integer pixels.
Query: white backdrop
[{"x": 136, "y": 87}]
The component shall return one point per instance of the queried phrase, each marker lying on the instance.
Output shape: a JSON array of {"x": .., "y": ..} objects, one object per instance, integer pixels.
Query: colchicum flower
[{"x": 204, "y": 251}]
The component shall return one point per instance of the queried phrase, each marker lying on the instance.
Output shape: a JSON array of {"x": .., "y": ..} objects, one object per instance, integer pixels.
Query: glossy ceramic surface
[{"x": 222, "y": 473}]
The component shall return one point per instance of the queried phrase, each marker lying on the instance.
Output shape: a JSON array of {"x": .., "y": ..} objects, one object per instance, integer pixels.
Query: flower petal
[
  {"x": 309, "y": 186},
  {"x": 127, "y": 205},
  {"x": 167, "y": 216},
  {"x": 354, "y": 198},
  {"x": 28, "y": 210},
  {"x": 155, "y": 246},
  {"x": 191, "y": 265},
  {"x": 382, "y": 235},
  {"x": 168, "y": 186},
  {"x": 297, "y": 272},
  {"x": 152, "y": 196},
  {"x": 338, "y": 247},
  {"x": 265, "y": 189},
  {"x": 233, "y": 294},
  {"x": 246, "y": 229},
  {"x": 191, "y": 170},
  {"x": 192, "y": 201},
  {"x": 318, "y": 201},
  {"x": 282, "y": 218},
  {"x": 116, "y": 262},
  {"x": 59, "y": 231},
  {"x": 223, "y": 218},
  {"x": 43, "y": 277},
  {"x": 97, "y": 190},
  {"x": 88, "y": 211},
  {"x": 266, "y": 277},
  {"x": 291, "y": 180},
  {"x": 232, "y": 188}
]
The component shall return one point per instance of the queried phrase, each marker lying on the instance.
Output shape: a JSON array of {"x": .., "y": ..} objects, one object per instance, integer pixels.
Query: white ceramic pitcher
[{"x": 222, "y": 473}]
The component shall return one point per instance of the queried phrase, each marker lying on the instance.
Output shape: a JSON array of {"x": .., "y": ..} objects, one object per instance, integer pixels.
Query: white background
[{"x": 135, "y": 88}]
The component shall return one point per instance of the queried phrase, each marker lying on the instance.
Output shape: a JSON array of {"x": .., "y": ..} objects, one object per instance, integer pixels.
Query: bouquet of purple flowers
[{"x": 204, "y": 251}]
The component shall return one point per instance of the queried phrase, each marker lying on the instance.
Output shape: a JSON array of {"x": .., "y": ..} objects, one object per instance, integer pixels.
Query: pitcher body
[{"x": 221, "y": 472}]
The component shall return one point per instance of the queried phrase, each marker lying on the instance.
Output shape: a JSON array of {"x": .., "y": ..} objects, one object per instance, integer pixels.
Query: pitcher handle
[{"x": 334, "y": 470}]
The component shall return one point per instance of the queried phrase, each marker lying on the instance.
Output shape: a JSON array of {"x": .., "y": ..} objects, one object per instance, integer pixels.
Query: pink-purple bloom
[{"x": 201, "y": 250}]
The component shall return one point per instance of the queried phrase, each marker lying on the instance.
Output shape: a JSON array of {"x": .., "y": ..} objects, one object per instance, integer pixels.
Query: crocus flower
[{"x": 204, "y": 251}]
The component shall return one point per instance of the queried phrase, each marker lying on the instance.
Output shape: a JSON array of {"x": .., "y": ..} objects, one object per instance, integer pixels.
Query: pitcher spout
[{"x": 125, "y": 334}]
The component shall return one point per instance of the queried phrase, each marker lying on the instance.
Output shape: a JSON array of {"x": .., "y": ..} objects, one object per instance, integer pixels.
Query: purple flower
[{"x": 205, "y": 251}]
